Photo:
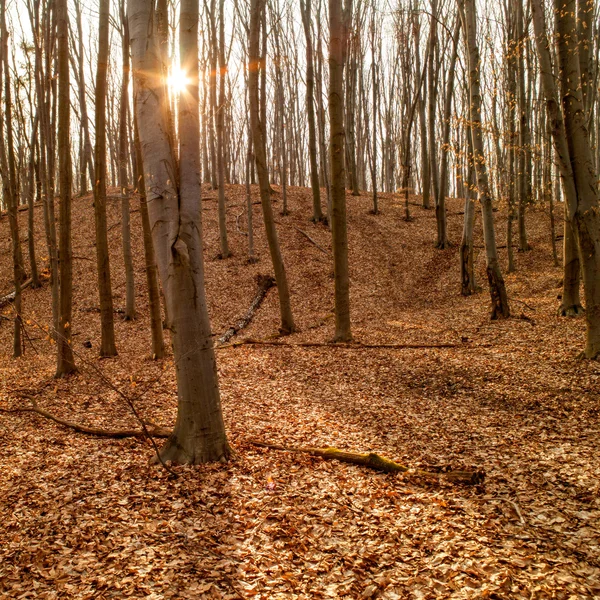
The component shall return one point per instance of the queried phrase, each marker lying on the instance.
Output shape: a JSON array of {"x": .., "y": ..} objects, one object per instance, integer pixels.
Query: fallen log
[
  {"x": 378, "y": 463},
  {"x": 6, "y": 300},
  {"x": 265, "y": 283},
  {"x": 153, "y": 430}
]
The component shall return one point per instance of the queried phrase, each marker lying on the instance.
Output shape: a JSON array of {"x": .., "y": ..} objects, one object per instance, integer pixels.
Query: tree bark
[
  {"x": 107, "y": 345},
  {"x": 123, "y": 183},
  {"x": 175, "y": 216},
  {"x": 305, "y": 8},
  {"x": 156, "y": 328},
  {"x": 440, "y": 206},
  {"x": 585, "y": 214},
  {"x": 66, "y": 361},
  {"x": 500, "y": 308},
  {"x": 258, "y": 141},
  {"x": 338, "y": 173}
]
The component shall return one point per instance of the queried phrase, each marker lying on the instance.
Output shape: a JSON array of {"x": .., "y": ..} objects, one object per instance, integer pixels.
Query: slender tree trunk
[
  {"x": 440, "y": 208},
  {"x": 431, "y": 107},
  {"x": 175, "y": 216},
  {"x": 123, "y": 183},
  {"x": 107, "y": 347},
  {"x": 87, "y": 158},
  {"x": 305, "y": 7},
  {"x": 425, "y": 164},
  {"x": 220, "y": 118},
  {"x": 31, "y": 179},
  {"x": 467, "y": 270},
  {"x": 66, "y": 361},
  {"x": 497, "y": 288},
  {"x": 258, "y": 141},
  {"x": 524, "y": 174},
  {"x": 156, "y": 328},
  {"x": 9, "y": 186}
]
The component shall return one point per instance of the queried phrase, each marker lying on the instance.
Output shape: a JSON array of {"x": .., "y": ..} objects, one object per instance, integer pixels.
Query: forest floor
[{"x": 86, "y": 517}]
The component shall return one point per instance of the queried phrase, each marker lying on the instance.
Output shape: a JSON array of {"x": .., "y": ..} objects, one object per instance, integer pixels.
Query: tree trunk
[
  {"x": 175, "y": 216},
  {"x": 440, "y": 206},
  {"x": 9, "y": 189},
  {"x": 107, "y": 347},
  {"x": 156, "y": 328},
  {"x": 258, "y": 141},
  {"x": 305, "y": 8},
  {"x": 497, "y": 288},
  {"x": 66, "y": 361},
  {"x": 220, "y": 118},
  {"x": 338, "y": 173},
  {"x": 123, "y": 183},
  {"x": 585, "y": 213},
  {"x": 467, "y": 270},
  {"x": 524, "y": 174}
]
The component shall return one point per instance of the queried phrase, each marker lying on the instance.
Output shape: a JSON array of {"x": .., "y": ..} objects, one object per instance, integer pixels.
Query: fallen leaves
[{"x": 89, "y": 518}]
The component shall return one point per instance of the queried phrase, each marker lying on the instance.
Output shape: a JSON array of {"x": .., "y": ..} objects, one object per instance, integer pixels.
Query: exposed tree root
[
  {"x": 6, "y": 300},
  {"x": 153, "y": 430},
  {"x": 265, "y": 283},
  {"x": 349, "y": 346},
  {"x": 379, "y": 463}
]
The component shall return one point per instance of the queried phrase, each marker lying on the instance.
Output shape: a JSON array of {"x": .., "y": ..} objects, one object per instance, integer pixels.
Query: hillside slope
[{"x": 88, "y": 517}]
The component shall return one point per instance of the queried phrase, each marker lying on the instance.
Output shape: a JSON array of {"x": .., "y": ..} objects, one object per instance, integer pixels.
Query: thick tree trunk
[
  {"x": 107, "y": 347},
  {"x": 175, "y": 216},
  {"x": 338, "y": 173},
  {"x": 258, "y": 141},
  {"x": 497, "y": 288},
  {"x": 585, "y": 214}
]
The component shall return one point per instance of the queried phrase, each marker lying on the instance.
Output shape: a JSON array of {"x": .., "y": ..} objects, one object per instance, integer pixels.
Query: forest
[{"x": 300, "y": 299}]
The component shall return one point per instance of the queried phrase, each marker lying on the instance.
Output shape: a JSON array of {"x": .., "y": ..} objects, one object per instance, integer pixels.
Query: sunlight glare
[{"x": 178, "y": 81}]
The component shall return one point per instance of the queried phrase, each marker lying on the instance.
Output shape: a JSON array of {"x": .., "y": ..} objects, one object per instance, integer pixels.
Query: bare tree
[{"x": 175, "y": 216}]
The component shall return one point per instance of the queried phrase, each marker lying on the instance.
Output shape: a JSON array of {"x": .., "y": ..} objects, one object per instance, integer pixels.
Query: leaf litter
[{"x": 87, "y": 517}]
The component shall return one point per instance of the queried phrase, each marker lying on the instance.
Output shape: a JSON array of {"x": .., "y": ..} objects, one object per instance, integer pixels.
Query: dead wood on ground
[
  {"x": 265, "y": 283},
  {"x": 379, "y": 463}
]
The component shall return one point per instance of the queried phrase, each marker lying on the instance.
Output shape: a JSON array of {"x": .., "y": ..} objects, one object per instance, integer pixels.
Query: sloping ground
[{"x": 85, "y": 517}]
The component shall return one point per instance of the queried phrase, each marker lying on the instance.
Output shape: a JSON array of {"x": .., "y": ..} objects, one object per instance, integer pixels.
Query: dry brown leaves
[{"x": 89, "y": 518}]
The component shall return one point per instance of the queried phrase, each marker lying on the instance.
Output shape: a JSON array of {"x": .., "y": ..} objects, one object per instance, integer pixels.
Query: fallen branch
[
  {"x": 154, "y": 431},
  {"x": 378, "y": 462},
  {"x": 265, "y": 283},
  {"x": 5, "y": 300},
  {"x": 313, "y": 242},
  {"x": 352, "y": 346}
]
